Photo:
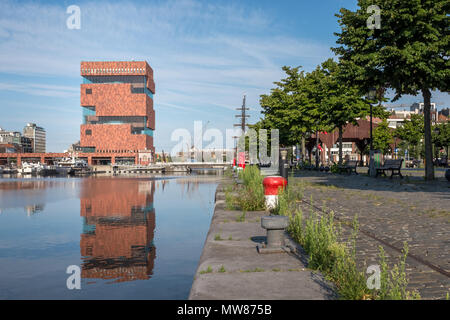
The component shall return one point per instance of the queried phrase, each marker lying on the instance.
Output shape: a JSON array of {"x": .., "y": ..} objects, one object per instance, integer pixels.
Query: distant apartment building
[
  {"x": 10, "y": 141},
  {"x": 15, "y": 142},
  {"x": 418, "y": 108},
  {"x": 348, "y": 148},
  {"x": 12, "y": 137},
  {"x": 442, "y": 118},
  {"x": 27, "y": 144},
  {"x": 445, "y": 112},
  {"x": 207, "y": 155},
  {"x": 74, "y": 147},
  {"x": 38, "y": 136},
  {"x": 398, "y": 117},
  {"x": 117, "y": 102},
  {"x": 9, "y": 148}
]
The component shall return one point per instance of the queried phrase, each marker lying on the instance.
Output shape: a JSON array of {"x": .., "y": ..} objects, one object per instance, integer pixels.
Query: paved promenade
[
  {"x": 389, "y": 213},
  {"x": 231, "y": 268}
]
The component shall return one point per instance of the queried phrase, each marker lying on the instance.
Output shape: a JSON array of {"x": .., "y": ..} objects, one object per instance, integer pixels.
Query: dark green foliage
[
  {"x": 411, "y": 133},
  {"x": 249, "y": 196},
  {"x": 441, "y": 136},
  {"x": 408, "y": 54},
  {"x": 383, "y": 137}
]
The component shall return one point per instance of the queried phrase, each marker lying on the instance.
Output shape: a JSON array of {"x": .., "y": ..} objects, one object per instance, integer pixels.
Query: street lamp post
[
  {"x": 317, "y": 150},
  {"x": 437, "y": 131},
  {"x": 371, "y": 128},
  {"x": 371, "y": 96},
  {"x": 317, "y": 145},
  {"x": 284, "y": 163}
]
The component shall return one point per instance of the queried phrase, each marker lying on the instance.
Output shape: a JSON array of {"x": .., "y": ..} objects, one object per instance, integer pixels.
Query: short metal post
[
  {"x": 275, "y": 226},
  {"x": 284, "y": 166}
]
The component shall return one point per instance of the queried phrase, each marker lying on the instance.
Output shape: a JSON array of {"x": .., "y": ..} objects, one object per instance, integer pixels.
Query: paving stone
[{"x": 418, "y": 214}]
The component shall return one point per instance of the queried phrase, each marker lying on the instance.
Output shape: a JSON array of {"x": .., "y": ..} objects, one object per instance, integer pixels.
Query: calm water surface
[{"x": 133, "y": 238}]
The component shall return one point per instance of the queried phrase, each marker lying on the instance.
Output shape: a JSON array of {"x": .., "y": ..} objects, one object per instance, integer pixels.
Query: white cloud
[
  {"x": 205, "y": 55},
  {"x": 41, "y": 89}
]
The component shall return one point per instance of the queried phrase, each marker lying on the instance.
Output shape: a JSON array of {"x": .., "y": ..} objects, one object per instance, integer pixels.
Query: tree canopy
[
  {"x": 341, "y": 103},
  {"x": 305, "y": 103},
  {"x": 383, "y": 137},
  {"x": 409, "y": 53},
  {"x": 293, "y": 107},
  {"x": 441, "y": 136}
]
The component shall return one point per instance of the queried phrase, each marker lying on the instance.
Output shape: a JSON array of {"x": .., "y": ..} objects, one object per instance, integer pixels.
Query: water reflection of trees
[
  {"x": 190, "y": 185},
  {"x": 118, "y": 229},
  {"x": 31, "y": 184},
  {"x": 33, "y": 209},
  {"x": 33, "y": 193}
]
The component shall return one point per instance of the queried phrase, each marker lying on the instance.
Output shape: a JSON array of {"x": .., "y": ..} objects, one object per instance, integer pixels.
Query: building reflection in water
[
  {"x": 118, "y": 229},
  {"x": 32, "y": 194},
  {"x": 33, "y": 209}
]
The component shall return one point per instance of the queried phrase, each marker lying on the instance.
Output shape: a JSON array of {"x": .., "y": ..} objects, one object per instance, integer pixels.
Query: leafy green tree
[
  {"x": 342, "y": 103},
  {"x": 281, "y": 108},
  {"x": 411, "y": 133},
  {"x": 315, "y": 108},
  {"x": 441, "y": 136},
  {"x": 293, "y": 107},
  {"x": 409, "y": 53},
  {"x": 383, "y": 137}
]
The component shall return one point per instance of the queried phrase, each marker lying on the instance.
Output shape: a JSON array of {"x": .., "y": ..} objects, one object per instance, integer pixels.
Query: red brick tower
[{"x": 117, "y": 102}]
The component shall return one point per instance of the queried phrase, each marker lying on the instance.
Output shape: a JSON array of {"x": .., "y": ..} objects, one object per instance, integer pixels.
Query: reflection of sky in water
[{"x": 110, "y": 227}]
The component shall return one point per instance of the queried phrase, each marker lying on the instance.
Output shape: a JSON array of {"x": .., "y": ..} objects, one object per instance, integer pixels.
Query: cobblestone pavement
[{"x": 390, "y": 212}]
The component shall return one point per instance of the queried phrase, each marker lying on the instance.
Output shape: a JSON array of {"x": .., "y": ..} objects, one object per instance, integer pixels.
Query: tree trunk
[
  {"x": 329, "y": 156},
  {"x": 303, "y": 149},
  {"x": 309, "y": 157},
  {"x": 340, "y": 145},
  {"x": 317, "y": 149},
  {"x": 429, "y": 169}
]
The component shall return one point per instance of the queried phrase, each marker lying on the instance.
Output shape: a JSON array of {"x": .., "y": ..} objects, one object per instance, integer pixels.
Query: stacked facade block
[{"x": 117, "y": 102}]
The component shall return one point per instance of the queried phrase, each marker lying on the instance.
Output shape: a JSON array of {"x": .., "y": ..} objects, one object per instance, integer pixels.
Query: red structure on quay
[{"x": 118, "y": 116}]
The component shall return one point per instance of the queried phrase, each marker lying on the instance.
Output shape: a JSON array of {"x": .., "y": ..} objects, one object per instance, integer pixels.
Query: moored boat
[
  {"x": 62, "y": 170},
  {"x": 28, "y": 168},
  {"x": 73, "y": 166},
  {"x": 45, "y": 169}
]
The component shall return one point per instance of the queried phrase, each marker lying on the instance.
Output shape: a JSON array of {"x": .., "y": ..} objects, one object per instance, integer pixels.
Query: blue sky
[{"x": 205, "y": 54}]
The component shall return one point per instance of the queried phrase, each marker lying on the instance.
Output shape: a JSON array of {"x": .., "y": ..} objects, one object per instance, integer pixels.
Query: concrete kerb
[{"x": 231, "y": 268}]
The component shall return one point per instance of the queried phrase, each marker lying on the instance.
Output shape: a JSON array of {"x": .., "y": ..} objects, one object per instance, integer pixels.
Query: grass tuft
[
  {"x": 208, "y": 270},
  {"x": 250, "y": 196},
  {"x": 319, "y": 235},
  {"x": 241, "y": 218}
]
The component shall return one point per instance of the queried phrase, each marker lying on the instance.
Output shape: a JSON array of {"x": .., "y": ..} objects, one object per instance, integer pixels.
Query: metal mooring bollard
[
  {"x": 272, "y": 185},
  {"x": 284, "y": 165},
  {"x": 275, "y": 226}
]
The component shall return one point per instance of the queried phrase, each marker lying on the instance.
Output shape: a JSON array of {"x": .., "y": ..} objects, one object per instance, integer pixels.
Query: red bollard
[
  {"x": 241, "y": 160},
  {"x": 271, "y": 189}
]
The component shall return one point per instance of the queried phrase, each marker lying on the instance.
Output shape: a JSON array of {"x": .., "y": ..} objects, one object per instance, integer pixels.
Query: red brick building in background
[{"x": 118, "y": 115}]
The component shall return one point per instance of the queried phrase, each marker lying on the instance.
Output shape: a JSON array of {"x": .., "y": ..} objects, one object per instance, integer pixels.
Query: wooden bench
[
  {"x": 442, "y": 162},
  {"x": 393, "y": 165},
  {"x": 349, "y": 166}
]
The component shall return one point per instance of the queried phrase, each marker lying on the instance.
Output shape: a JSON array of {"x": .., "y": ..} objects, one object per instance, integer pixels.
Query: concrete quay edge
[{"x": 238, "y": 272}]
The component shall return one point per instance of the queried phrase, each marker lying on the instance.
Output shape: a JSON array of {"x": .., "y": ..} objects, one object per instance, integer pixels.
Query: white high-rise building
[{"x": 32, "y": 131}]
